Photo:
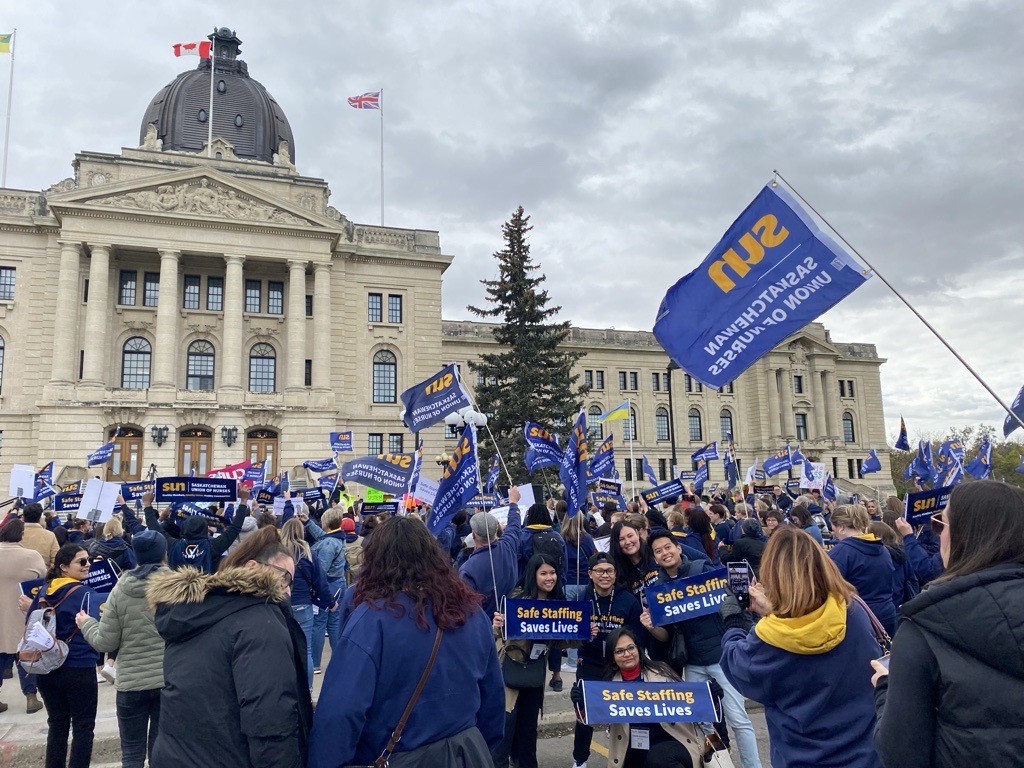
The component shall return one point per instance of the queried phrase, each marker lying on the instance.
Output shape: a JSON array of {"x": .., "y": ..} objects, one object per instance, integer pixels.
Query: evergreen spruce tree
[{"x": 529, "y": 378}]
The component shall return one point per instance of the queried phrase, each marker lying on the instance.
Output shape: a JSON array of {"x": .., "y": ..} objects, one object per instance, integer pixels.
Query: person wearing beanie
[{"x": 126, "y": 625}]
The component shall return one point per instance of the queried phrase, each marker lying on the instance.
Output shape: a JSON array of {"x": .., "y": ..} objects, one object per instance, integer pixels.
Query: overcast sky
[{"x": 632, "y": 133}]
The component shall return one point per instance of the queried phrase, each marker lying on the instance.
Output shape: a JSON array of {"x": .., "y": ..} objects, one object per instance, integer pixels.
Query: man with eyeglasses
[
  {"x": 611, "y": 608},
  {"x": 702, "y": 639}
]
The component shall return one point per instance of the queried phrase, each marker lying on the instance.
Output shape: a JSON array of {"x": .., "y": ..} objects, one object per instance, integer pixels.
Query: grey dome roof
[{"x": 244, "y": 113}]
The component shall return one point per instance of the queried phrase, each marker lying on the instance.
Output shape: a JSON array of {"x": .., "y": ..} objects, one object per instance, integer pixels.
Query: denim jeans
[
  {"x": 70, "y": 695},
  {"x": 138, "y": 718},
  {"x": 735, "y": 712},
  {"x": 574, "y": 592},
  {"x": 28, "y": 682},
  {"x": 304, "y": 615},
  {"x": 329, "y": 623}
]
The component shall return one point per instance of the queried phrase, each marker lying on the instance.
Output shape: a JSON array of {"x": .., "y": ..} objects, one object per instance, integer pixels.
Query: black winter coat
[
  {"x": 746, "y": 548},
  {"x": 955, "y": 690},
  {"x": 235, "y": 668}
]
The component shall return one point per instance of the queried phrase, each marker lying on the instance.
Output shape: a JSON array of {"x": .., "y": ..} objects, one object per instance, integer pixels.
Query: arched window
[
  {"x": 661, "y": 424},
  {"x": 696, "y": 430},
  {"x": 135, "y": 359},
  {"x": 595, "y": 429},
  {"x": 725, "y": 420},
  {"x": 1, "y": 363},
  {"x": 629, "y": 428},
  {"x": 848, "y": 434},
  {"x": 385, "y": 377},
  {"x": 262, "y": 367},
  {"x": 200, "y": 366}
]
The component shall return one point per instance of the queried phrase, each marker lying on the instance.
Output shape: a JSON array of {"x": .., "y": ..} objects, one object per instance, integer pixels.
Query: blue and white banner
[
  {"x": 321, "y": 465},
  {"x": 341, "y": 442},
  {"x": 135, "y": 490},
  {"x": 980, "y": 467},
  {"x": 255, "y": 474},
  {"x": 828, "y": 488},
  {"x": 600, "y": 498},
  {"x": 652, "y": 478},
  {"x": 492, "y": 475},
  {"x": 101, "y": 579},
  {"x": 389, "y": 472},
  {"x": 430, "y": 401},
  {"x": 1011, "y": 423},
  {"x": 603, "y": 462},
  {"x": 871, "y": 464},
  {"x": 173, "y": 489},
  {"x": 669, "y": 490},
  {"x": 68, "y": 501},
  {"x": 707, "y": 453},
  {"x": 638, "y": 702},
  {"x": 919, "y": 507},
  {"x": 541, "y": 448},
  {"x": 701, "y": 475},
  {"x": 44, "y": 483},
  {"x": 380, "y": 508},
  {"x": 902, "y": 444},
  {"x": 573, "y": 469},
  {"x": 309, "y": 494},
  {"x": 782, "y": 460},
  {"x": 547, "y": 619},
  {"x": 328, "y": 482},
  {"x": 483, "y": 501},
  {"x": 460, "y": 482},
  {"x": 688, "y": 598},
  {"x": 772, "y": 273},
  {"x": 101, "y": 455}
]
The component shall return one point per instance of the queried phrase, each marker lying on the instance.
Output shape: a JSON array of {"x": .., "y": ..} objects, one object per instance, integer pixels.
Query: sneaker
[
  {"x": 567, "y": 667},
  {"x": 555, "y": 684},
  {"x": 109, "y": 673},
  {"x": 578, "y": 765}
]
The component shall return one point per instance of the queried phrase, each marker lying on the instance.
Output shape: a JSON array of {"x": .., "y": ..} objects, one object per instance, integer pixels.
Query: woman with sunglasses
[
  {"x": 953, "y": 691},
  {"x": 69, "y": 692}
]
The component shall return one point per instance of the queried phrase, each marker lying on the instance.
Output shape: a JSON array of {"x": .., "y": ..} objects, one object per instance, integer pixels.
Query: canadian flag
[{"x": 201, "y": 49}]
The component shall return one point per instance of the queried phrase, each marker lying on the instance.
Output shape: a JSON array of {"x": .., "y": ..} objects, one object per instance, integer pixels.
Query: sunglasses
[
  {"x": 938, "y": 522},
  {"x": 81, "y": 561}
]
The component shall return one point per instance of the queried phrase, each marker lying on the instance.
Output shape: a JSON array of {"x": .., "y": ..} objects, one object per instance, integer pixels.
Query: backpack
[
  {"x": 354, "y": 559},
  {"x": 191, "y": 554},
  {"x": 551, "y": 544},
  {"x": 40, "y": 651}
]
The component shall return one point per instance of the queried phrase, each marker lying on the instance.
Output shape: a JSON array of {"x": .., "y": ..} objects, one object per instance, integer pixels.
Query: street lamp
[
  {"x": 159, "y": 434},
  {"x": 229, "y": 435}
]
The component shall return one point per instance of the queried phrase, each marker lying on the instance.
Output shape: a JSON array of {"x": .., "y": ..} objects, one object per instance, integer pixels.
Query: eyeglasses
[
  {"x": 284, "y": 572},
  {"x": 603, "y": 571},
  {"x": 938, "y": 521},
  {"x": 629, "y": 650}
]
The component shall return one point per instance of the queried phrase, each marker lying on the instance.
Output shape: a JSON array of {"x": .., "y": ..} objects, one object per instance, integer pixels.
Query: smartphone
[
  {"x": 739, "y": 582},
  {"x": 884, "y": 661}
]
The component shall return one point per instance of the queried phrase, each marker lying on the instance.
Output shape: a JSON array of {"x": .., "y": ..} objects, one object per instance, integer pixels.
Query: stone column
[
  {"x": 788, "y": 421},
  {"x": 65, "y": 325},
  {"x": 818, "y": 393},
  {"x": 321, "y": 326},
  {"x": 97, "y": 317},
  {"x": 295, "y": 324},
  {"x": 773, "y": 403},
  {"x": 165, "y": 354},
  {"x": 234, "y": 301},
  {"x": 832, "y": 417}
]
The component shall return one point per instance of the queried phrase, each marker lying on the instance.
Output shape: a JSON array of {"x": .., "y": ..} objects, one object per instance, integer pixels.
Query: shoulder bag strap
[
  {"x": 59, "y": 602},
  {"x": 396, "y": 736},
  {"x": 880, "y": 634}
]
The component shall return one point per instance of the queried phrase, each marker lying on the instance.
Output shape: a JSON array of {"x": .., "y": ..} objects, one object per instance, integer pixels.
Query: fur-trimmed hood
[{"x": 188, "y": 602}]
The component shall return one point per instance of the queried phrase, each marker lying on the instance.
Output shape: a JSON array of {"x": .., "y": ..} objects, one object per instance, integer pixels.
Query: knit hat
[
  {"x": 348, "y": 525},
  {"x": 150, "y": 547}
]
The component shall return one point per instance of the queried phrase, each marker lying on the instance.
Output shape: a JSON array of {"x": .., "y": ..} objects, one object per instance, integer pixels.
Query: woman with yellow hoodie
[{"x": 808, "y": 659}]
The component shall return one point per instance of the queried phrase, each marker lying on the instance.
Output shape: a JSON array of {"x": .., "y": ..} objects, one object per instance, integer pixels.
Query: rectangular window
[
  {"x": 588, "y": 378},
  {"x": 638, "y": 472},
  {"x": 275, "y": 298},
  {"x": 375, "y": 443},
  {"x": 309, "y": 305},
  {"x": 81, "y": 363},
  {"x": 622, "y": 380},
  {"x": 798, "y": 385},
  {"x": 396, "y": 441},
  {"x": 629, "y": 470},
  {"x": 127, "y": 281},
  {"x": 730, "y": 388},
  {"x": 801, "y": 426},
  {"x": 375, "y": 308},
  {"x": 215, "y": 294},
  {"x": 666, "y": 382},
  {"x": 394, "y": 308},
  {"x": 851, "y": 468},
  {"x": 842, "y": 387},
  {"x": 663, "y": 469},
  {"x": 450, "y": 432},
  {"x": 698, "y": 387},
  {"x": 85, "y": 291},
  {"x": 849, "y": 387},
  {"x": 835, "y": 466},
  {"x": 7, "y": 283},
  {"x": 598, "y": 379},
  {"x": 634, "y": 381},
  {"x": 688, "y": 382},
  {"x": 860, "y": 467},
  {"x": 309, "y": 373},
  {"x": 151, "y": 289},
  {"x": 191, "y": 296},
  {"x": 656, "y": 382},
  {"x": 253, "y": 296}
]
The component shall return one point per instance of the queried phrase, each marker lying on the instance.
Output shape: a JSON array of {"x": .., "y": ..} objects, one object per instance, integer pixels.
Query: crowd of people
[{"x": 869, "y": 642}]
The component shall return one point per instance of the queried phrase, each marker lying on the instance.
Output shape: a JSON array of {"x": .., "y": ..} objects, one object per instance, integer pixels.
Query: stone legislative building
[{"x": 206, "y": 299}]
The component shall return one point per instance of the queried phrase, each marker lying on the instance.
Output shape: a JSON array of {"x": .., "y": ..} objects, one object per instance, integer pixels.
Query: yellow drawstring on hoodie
[{"x": 818, "y": 632}]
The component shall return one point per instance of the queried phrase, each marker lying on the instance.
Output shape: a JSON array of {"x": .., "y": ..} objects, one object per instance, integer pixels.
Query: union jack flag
[{"x": 365, "y": 101}]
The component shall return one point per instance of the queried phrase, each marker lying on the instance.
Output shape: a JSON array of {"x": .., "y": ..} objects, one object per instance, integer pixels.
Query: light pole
[{"x": 671, "y": 415}]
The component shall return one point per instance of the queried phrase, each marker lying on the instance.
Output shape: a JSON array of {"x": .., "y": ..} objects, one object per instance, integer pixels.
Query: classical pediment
[
  {"x": 191, "y": 193},
  {"x": 802, "y": 344}
]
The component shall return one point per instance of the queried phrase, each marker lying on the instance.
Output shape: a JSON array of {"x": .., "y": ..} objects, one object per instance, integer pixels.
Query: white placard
[
  {"x": 98, "y": 500},
  {"x": 603, "y": 544},
  {"x": 815, "y": 481},
  {"x": 279, "y": 505},
  {"x": 527, "y": 499},
  {"x": 501, "y": 513},
  {"x": 426, "y": 490},
  {"x": 23, "y": 481}
]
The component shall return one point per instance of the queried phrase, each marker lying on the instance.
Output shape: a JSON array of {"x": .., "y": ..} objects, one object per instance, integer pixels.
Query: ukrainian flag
[
  {"x": 5, "y": 43},
  {"x": 618, "y": 413}
]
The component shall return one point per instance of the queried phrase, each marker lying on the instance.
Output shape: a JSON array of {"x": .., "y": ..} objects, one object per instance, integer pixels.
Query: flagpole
[
  {"x": 209, "y": 117},
  {"x": 909, "y": 306},
  {"x": 632, "y": 434},
  {"x": 10, "y": 92},
  {"x": 381, "y": 100}
]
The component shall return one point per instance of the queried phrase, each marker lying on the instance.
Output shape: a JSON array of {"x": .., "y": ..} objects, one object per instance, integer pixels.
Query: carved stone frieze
[{"x": 387, "y": 237}]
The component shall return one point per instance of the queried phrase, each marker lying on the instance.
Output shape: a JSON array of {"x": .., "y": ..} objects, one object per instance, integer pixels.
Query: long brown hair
[
  {"x": 402, "y": 556},
  {"x": 986, "y": 527},
  {"x": 797, "y": 574},
  {"x": 697, "y": 520},
  {"x": 262, "y": 545}
]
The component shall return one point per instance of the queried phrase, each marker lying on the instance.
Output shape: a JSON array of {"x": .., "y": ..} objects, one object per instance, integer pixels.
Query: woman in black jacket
[
  {"x": 749, "y": 546},
  {"x": 954, "y": 690}
]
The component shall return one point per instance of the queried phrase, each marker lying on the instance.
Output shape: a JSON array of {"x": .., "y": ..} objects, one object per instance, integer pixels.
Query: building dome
[{"x": 244, "y": 114}]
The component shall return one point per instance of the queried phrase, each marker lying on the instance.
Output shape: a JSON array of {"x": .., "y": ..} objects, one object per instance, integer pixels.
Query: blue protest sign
[
  {"x": 341, "y": 441},
  {"x": 572, "y": 470},
  {"x": 321, "y": 465},
  {"x": 607, "y": 485},
  {"x": 102, "y": 576},
  {"x": 659, "y": 493},
  {"x": 919, "y": 507},
  {"x": 101, "y": 455},
  {"x": 603, "y": 461},
  {"x": 541, "y": 448},
  {"x": 380, "y": 508},
  {"x": 600, "y": 498},
  {"x": 134, "y": 490},
  {"x": 721, "y": 318},
  {"x": 311, "y": 494},
  {"x": 430, "y": 401},
  {"x": 255, "y": 474},
  {"x": 688, "y": 598},
  {"x": 459, "y": 483},
  {"x": 31, "y": 588},
  {"x": 483, "y": 501},
  {"x": 547, "y": 619},
  {"x": 172, "y": 489},
  {"x": 637, "y": 702},
  {"x": 67, "y": 502},
  {"x": 389, "y": 472}
]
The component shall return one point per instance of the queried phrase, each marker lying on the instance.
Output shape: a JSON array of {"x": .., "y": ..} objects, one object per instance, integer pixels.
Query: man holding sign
[{"x": 692, "y": 589}]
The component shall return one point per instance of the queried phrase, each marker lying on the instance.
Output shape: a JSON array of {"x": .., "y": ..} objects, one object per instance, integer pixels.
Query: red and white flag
[
  {"x": 200, "y": 49},
  {"x": 365, "y": 101}
]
